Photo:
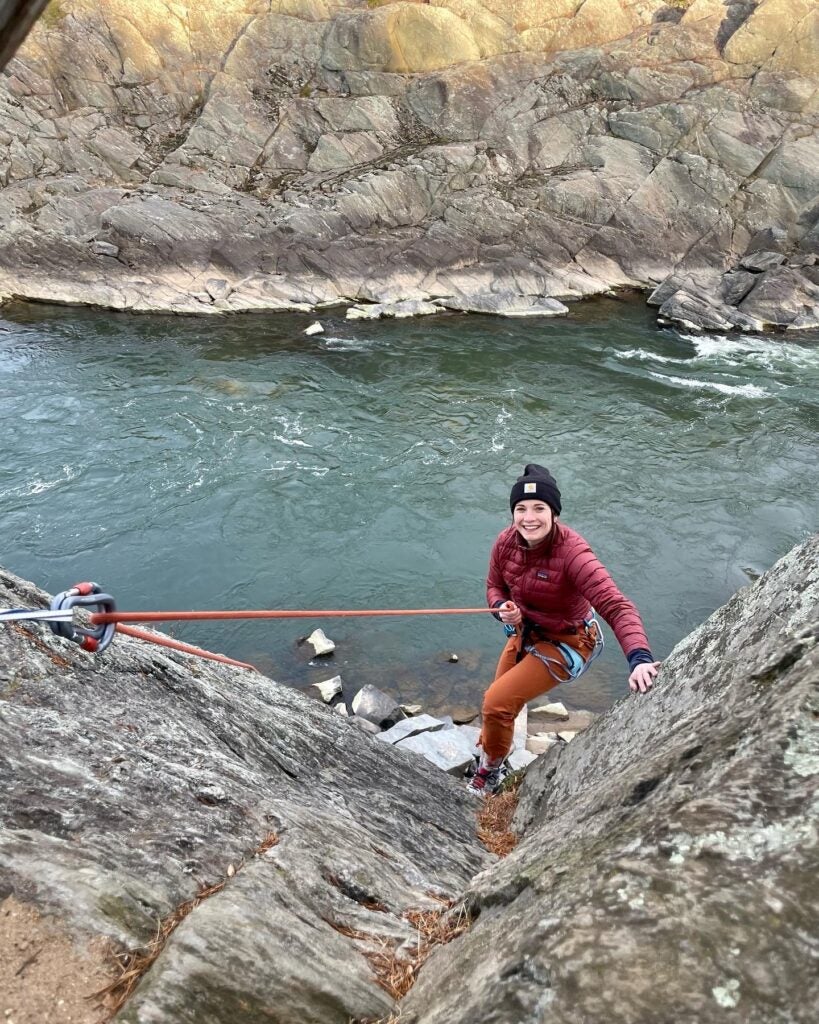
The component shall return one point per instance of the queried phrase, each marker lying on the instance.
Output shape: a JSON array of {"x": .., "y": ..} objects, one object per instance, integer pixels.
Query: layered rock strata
[{"x": 460, "y": 154}]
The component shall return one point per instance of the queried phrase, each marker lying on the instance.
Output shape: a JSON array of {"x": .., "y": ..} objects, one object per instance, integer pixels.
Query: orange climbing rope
[
  {"x": 103, "y": 618},
  {"x": 60, "y": 617},
  {"x": 177, "y": 645},
  {"x": 119, "y": 618}
]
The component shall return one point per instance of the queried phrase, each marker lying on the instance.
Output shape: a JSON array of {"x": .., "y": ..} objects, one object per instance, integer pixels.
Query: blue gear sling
[{"x": 573, "y": 662}]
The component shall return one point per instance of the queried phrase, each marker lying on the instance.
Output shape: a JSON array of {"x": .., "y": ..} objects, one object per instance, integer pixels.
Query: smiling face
[{"x": 533, "y": 520}]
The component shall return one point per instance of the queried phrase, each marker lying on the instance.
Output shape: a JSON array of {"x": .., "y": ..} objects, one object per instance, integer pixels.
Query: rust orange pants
[{"x": 519, "y": 680}]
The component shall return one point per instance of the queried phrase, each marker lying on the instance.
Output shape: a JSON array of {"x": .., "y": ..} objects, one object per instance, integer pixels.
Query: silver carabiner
[{"x": 86, "y": 595}]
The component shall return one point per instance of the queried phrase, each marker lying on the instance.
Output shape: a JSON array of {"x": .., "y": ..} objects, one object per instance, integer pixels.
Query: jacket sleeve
[
  {"x": 496, "y": 590},
  {"x": 588, "y": 574}
]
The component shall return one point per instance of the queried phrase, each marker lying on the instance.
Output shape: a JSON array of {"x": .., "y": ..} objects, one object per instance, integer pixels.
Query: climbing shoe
[{"x": 485, "y": 781}]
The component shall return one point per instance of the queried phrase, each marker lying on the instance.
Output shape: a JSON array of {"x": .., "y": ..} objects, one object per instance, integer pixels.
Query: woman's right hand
[{"x": 509, "y": 612}]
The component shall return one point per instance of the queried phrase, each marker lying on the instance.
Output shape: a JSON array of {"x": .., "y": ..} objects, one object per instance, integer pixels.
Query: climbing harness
[
  {"x": 572, "y": 662},
  {"x": 89, "y": 617}
]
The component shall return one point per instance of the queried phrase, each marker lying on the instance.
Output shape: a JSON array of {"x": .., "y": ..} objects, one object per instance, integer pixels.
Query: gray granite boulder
[
  {"x": 447, "y": 749},
  {"x": 410, "y": 727},
  {"x": 377, "y": 707}
]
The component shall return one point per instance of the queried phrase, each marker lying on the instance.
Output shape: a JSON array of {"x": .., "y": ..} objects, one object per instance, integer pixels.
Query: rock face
[
  {"x": 666, "y": 871},
  {"x": 131, "y": 780},
  {"x": 485, "y": 155},
  {"x": 668, "y": 866}
]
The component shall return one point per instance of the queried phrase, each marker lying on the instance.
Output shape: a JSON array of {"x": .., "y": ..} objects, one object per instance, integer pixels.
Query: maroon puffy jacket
[{"x": 557, "y": 584}]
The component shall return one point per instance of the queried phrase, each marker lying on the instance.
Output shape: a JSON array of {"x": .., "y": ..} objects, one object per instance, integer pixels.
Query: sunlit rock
[
  {"x": 448, "y": 749},
  {"x": 328, "y": 689},
  {"x": 321, "y": 643},
  {"x": 398, "y": 310},
  {"x": 410, "y": 727}
]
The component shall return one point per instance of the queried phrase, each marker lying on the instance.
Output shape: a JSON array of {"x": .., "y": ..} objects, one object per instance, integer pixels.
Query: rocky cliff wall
[
  {"x": 666, "y": 870},
  {"x": 129, "y": 782},
  {"x": 668, "y": 866},
  {"x": 475, "y": 154}
]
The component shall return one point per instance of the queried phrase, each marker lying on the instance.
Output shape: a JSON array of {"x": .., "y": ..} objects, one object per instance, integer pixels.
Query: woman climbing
[{"x": 546, "y": 584}]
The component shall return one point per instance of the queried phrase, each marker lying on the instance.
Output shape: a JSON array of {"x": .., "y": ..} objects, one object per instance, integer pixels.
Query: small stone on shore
[
  {"x": 328, "y": 689},
  {"x": 555, "y": 711}
]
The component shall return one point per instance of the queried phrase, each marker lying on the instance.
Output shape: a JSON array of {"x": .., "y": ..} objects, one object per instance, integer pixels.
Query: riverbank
[{"x": 494, "y": 158}]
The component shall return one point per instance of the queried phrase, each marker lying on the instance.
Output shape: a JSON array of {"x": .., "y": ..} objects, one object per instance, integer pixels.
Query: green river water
[{"x": 236, "y": 463}]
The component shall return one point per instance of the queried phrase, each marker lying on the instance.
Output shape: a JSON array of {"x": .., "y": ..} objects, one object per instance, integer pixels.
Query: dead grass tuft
[
  {"x": 132, "y": 964},
  {"x": 494, "y": 820},
  {"x": 394, "y": 975},
  {"x": 397, "y": 974},
  {"x": 271, "y": 840}
]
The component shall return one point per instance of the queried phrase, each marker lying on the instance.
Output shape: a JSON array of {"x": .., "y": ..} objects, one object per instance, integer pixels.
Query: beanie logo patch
[{"x": 530, "y": 488}]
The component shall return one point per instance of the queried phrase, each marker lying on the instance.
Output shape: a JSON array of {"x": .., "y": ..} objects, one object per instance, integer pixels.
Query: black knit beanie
[{"x": 536, "y": 483}]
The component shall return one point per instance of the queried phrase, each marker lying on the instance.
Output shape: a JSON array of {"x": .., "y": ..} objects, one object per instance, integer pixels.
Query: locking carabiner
[{"x": 86, "y": 595}]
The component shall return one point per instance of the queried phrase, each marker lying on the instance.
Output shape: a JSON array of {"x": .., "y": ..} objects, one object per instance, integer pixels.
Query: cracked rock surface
[
  {"x": 667, "y": 870},
  {"x": 130, "y": 780},
  {"x": 487, "y": 155}
]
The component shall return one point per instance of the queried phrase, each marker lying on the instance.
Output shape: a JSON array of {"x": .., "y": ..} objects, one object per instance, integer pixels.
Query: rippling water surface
[{"x": 209, "y": 463}]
